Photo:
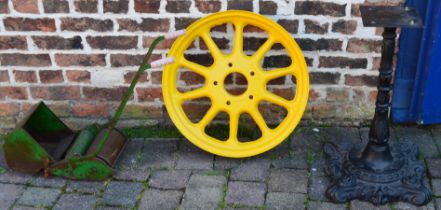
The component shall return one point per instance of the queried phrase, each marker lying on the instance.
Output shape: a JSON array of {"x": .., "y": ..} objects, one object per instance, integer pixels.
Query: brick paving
[{"x": 173, "y": 174}]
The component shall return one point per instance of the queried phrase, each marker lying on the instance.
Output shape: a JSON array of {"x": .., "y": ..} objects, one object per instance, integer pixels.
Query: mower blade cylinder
[{"x": 83, "y": 141}]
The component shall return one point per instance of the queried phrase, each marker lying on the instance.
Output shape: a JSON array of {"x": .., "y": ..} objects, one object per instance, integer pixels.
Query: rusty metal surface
[
  {"x": 390, "y": 16},
  {"x": 48, "y": 130},
  {"x": 112, "y": 149}
]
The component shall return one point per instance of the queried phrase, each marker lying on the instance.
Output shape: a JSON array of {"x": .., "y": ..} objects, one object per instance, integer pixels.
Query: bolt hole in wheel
[{"x": 239, "y": 85}]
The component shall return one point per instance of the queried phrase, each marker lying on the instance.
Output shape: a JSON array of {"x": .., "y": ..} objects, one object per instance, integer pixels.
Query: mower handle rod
[{"x": 144, "y": 66}]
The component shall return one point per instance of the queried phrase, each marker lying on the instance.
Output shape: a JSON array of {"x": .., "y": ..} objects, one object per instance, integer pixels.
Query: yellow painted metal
[{"x": 235, "y": 105}]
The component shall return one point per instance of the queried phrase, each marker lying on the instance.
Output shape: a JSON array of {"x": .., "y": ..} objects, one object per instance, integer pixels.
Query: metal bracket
[{"x": 390, "y": 16}]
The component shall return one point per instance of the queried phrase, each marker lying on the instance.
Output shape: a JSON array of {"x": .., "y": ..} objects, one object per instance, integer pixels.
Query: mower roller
[{"x": 41, "y": 141}]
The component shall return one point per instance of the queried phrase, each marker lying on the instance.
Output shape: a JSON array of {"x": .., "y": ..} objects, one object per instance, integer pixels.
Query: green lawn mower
[{"x": 41, "y": 141}]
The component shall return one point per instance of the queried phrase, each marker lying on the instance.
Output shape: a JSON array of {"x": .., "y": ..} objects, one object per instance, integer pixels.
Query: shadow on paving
[{"x": 171, "y": 173}]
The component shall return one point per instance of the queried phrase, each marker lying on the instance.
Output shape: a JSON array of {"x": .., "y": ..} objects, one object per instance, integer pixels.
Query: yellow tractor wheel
[{"x": 237, "y": 61}]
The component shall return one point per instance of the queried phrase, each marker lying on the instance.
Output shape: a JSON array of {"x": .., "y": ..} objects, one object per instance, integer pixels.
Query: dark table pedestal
[{"x": 377, "y": 172}]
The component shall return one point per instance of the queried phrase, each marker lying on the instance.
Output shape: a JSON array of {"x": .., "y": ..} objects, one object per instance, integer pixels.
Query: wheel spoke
[
  {"x": 276, "y": 73},
  {"x": 207, "y": 118},
  {"x": 194, "y": 94},
  {"x": 211, "y": 45},
  {"x": 263, "y": 49},
  {"x": 192, "y": 66},
  {"x": 234, "y": 125},
  {"x": 238, "y": 37},
  {"x": 275, "y": 99},
  {"x": 259, "y": 120}
]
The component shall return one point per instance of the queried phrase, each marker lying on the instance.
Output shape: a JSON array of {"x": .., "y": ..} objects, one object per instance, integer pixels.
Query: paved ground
[{"x": 172, "y": 174}]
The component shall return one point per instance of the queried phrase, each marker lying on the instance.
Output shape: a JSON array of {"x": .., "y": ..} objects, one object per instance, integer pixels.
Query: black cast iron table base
[
  {"x": 379, "y": 173},
  {"x": 402, "y": 180}
]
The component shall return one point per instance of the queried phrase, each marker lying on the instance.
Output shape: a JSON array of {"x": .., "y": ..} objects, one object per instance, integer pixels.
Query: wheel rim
[{"x": 235, "y": 105}]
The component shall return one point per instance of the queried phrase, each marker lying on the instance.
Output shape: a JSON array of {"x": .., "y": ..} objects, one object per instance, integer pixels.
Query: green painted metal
[
  {"x": 82, "y": 170},
  {"x": 144, "y": 66},
  {"x": 27, "y": 145},
  {"x": 23, "y": 153},
  {"x": 41, "y": 114},
  {"x": 83, "y": 141}
]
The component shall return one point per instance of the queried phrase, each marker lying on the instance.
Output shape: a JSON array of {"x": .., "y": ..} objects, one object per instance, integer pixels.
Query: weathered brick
[
  {"x": 13, "y": 42},
  {"x": 56, "y": 6},
  {"x": 191, "y": 78},
  {"x": 10, "y": 92},
  {"x": 80, "y": 59},
  {"x": 58, "y": 42},
  {"x": 105, "y": 94},
  {"x": 56, "y": 92},
  {"x": 355, "y": 10},
  {"x": 121, "y": 60},
  {"x": 4, "y": 76},
  {"x": 51, "y": 76},
  {"x": 178, "y": 6},
  {"x": 182, "y": 23},
  {"x": 142, "y": 112},
  {"x": 363, "y": 45},
  {"x": 372, "y": 96},
  {"x": 286, "y": 93},
  {"x": 151, "y": 6},
  {"x": 240, "y": 5},
  {"x": 202, "y": 59},
  {"x": 166, "y": 44},
  {"x": 9, "y": 109},
  {"x": 17, "y": 59},
  {"x": 113, "y": 42},
  {"x": 267, "y": 7},
  {"x": 344, "y": 26},
  {"x": 276, "y": 61},
  {"x": 290, "y": 25},
  {"x": 90, "y": 110},
  {"x": 222, "y": 43},
  {"x": 342, "y": 62},
  {"x": 26, "y": 6},
  {"x": 128, "y": 77},
  {"x": 208, "y": 6},
  {"x": 28, "y": 24},
  {"x": 337, "y": 94},
  {"x": 147, "y": 24},
  {"x": 324, "y": 77},
  {"x": 78, "y": 76},
  {"x": 320, "y": 44},
  {"x": 156, "y": 77},
  {"x": 4, "y": 6},
  {"x": 320, "y": 8},
  {"x": 149, "y": 94},
  {"x": 86, "y": 6},
  {"x": 116, "y": 6},
  {"x": 361, "y": 80},
  {"x": 25, "y": 76},
  {"x": 315, "y": 27},
  {"x": 313, "y": 95},
  {"x": 84, "y": 24}
]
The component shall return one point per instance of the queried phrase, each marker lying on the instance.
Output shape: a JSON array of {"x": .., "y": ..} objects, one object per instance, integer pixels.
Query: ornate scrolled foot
[{"x": 402, "y": 180}]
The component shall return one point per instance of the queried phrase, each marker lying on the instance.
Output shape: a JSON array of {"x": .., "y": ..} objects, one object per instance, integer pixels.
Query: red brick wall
[{"x": 80, "y": 55}]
